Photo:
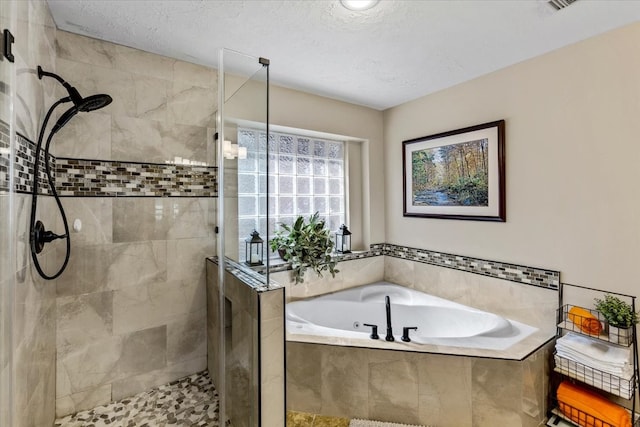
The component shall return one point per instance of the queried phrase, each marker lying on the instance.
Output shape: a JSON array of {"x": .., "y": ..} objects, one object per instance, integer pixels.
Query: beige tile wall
[
  {"x": 351, "y": 273},
  {"x": 416, "y": 388},
  {"x": 272, "y": 345},
  {"x": 421, "y": 388},
  {"x": 241, "y": 354},
  {"x": 528, "y": 304},
  {"x": 254, "y": 350},
  {"x": 131, "y": 305}
]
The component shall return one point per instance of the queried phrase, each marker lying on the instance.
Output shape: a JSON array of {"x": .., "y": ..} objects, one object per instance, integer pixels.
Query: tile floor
[{"x": 191, "y": 401}]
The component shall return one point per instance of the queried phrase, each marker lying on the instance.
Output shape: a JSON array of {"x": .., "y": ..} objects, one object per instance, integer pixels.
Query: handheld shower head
[
  {"x": 94, "y": 102},
  {"x": 38, "y": 235},
  {"x": 64, "y": 118},
  {"x": 90, "y": 103}
]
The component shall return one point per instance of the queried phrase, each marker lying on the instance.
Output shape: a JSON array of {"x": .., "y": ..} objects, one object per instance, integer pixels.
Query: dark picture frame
[{"x": 459, "y": 174}]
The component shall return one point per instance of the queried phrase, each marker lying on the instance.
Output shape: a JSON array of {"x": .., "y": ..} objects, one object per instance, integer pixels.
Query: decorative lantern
[
  {"x": 343, "y": 240},
  {"x": 254, "y": 247}
]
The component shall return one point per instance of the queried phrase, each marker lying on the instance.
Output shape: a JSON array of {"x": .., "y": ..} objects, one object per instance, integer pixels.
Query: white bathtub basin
[{"x": 439, "y": 321}]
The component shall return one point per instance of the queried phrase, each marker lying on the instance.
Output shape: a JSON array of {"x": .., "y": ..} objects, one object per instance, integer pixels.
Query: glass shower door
[
  {"x": 242, "y": 163},
  {"x": 7, "y": 232}
]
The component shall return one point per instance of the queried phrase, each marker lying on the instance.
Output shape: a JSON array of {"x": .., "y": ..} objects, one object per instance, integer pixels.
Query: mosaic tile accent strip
[
  {"x": 24, "y": 167},
  {"x": 375, "y": 250},
  {"x": 377, "y": 247},
  {"x": 105, "y": 178},
  {"x": 5, "y": 156},
  {"x": 549, "y": 279},
  {"x": 191, "y": 401},
  {"x": 23, "y": 164},
  {"x": 101, "y": 178}
]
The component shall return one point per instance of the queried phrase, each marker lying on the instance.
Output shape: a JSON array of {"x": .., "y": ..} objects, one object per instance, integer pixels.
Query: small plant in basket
[{"x": 620, "y": 317}]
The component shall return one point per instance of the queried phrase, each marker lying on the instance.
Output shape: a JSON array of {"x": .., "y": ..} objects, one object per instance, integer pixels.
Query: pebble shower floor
[{"x": 190, "y": 401}]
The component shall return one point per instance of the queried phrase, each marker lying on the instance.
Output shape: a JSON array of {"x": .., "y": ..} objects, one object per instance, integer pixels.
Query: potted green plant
[
  {"x": 620, "y": 317},
  {"x": 305, "y": 244}
]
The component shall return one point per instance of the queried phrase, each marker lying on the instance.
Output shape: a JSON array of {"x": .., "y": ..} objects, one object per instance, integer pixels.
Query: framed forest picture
[{"x": 456, "y": 175}]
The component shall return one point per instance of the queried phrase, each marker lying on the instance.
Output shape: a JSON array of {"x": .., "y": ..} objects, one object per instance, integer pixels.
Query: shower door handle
[{"x": 7, "y": 42}]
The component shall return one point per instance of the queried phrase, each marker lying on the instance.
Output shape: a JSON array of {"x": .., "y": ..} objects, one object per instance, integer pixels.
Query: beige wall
[
  {"x": 293, "y": 109},
  {"x": 571, "y": 162},
  {"x": 301, "y": 110}
]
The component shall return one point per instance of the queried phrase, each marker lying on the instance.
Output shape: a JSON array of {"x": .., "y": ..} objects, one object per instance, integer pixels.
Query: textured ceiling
[{"x": 388, "y": 55}]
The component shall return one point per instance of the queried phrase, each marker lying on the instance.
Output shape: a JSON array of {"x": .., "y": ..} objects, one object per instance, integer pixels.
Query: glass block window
[{"x": 305, "y": 175}]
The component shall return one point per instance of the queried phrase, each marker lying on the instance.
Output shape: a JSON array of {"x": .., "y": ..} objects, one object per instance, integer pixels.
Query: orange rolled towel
[
  {"x": 587, "y": 322},
  {"x": 589, "y": 409}
]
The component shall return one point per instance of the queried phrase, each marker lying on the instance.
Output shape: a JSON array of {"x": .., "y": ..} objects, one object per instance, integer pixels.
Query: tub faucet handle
[
  {"x": 405, "y": 333},
  {"x": 374, "y": 331}
]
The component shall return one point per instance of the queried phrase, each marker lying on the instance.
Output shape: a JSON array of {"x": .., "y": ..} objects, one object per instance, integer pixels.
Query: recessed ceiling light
[{"x": 359, "y": 4}]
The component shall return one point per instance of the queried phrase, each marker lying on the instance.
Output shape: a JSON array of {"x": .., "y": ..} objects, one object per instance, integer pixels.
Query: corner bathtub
[{"x": 439, "y": 321}]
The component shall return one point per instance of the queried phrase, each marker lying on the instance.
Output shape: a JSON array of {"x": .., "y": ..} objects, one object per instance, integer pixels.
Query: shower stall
[{"x": 30, "y": 306}]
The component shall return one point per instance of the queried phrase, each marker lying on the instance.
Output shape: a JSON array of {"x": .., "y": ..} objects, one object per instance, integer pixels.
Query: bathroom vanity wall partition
[{"x": 253, "y": 344}]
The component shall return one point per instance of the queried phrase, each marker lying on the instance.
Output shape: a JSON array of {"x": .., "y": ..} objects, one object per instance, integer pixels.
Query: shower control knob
[
  {"x": 40, "y": 236},
  {"x": 77, "y": 225}
]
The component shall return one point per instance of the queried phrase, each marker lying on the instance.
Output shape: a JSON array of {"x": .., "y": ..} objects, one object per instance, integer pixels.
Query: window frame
[{"x": 264, "y": 217}]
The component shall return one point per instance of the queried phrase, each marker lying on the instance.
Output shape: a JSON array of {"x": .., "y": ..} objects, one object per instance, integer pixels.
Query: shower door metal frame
[{"x": 8, "y": 19}]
